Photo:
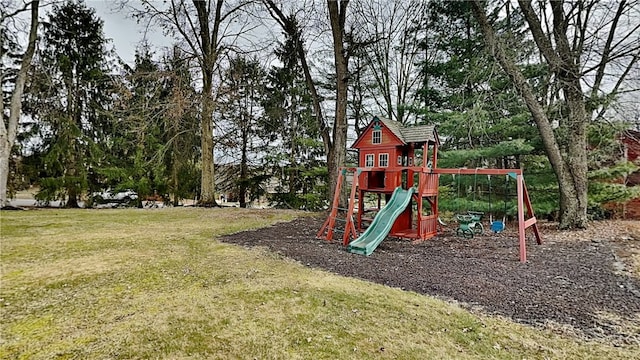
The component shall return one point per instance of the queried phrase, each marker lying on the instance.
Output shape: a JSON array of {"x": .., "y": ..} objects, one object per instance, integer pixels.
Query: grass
[{"x": 122, "y": 284}]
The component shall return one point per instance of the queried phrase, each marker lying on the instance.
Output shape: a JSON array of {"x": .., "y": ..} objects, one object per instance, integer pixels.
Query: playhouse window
[
  {"x": 376, "y": 137},
  {"x": 383, "y": 160},
  {"x": 368, "y": 162},
  {"x": 399, "y": 159}
]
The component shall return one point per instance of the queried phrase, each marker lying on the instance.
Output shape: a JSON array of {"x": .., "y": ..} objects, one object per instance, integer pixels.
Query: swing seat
[
  {"x": 497, "y": 226},
  {"x": 469, "y": 224},
  {"x": 476, "y": 215}
]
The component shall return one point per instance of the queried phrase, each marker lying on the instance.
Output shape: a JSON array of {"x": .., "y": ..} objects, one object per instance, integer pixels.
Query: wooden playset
[{"x": 400, "y": 164}]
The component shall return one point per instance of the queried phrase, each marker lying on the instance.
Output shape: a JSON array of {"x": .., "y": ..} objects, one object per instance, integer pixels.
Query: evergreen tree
[
  {"x": 137, "y": 136},
  {"x": 242, "y": 95},
  {"x": 569, "y": 40},
  {"x": 480, "y": 116},
  {"x": 154, "y": 146},
  {"x": 181, "y": 122},
  {"x": 295, "y": 149},
  {"x": 69, "y": 94}
]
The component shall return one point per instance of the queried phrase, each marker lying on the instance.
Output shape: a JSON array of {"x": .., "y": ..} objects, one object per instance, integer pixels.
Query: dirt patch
[{"x": 574, "y": 282}]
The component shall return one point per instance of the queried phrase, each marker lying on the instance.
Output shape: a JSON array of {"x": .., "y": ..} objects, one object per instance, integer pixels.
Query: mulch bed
[{"x": 574, "y": 282}]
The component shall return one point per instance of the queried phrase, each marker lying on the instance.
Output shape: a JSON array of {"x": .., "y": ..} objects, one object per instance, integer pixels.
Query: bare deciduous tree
[
  {"x": 205, "y": 27},
  {"x": 337, "y": 154},
  {"x": 569, "y": 42},
  {"x": 334, "y": 137},
  {"x": 386, "y": 34},
  {"x": 9, "y": 125}
]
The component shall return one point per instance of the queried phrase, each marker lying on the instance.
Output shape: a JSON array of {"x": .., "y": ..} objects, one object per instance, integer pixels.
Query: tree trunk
[
  {"x": 207, "y": 192},
  {"x": 174, "y": 178},
  {"x": 9, "y": 130},
  {"x": 5, "y": 153},
  {"x": 575, "y": 213},
  {"x": 293, "y": 146},
  {"x": 244, "y": 170},
  {"x": 208, "y": 45},
  {"x": 570, "y": 173},
  {"x": 71, "y": 182},
  {"x": 337, "y": 154}
]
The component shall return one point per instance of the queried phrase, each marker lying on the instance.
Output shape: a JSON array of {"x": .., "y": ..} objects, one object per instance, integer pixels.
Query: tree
[
  {"x": 9, "y": 122},
  {"x": 469, "y": 97},
  {"x": 181, "y": 127},
  {"x": 204, "y": 28},
  {"x": 334, "y": 136},
  {"x": 570, "y": 36},
  {"x": 132, "y": 160},
  {"x": 242, "y": 94},
  {"x": 295, "y": 150},
  {"x": 153, "y": 150},
  {"x": 69, "y": 94},
  {"x": 386, "y": 39},
  {"x": 338, "y": 151}
]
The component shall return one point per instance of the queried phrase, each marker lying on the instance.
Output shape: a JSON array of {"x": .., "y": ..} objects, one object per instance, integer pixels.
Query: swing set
[
  {"x": 400, "y": 163},
  {"x": 469, "y": 222}
]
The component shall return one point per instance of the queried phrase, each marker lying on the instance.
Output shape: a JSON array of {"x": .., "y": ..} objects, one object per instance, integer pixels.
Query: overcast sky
[{"x": 123, "y": 31}]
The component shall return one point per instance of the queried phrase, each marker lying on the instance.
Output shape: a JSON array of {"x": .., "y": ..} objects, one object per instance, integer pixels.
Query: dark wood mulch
[{"x": 577, "y": 285}]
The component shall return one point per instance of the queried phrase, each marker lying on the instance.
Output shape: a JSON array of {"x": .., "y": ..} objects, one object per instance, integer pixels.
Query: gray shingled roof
[{"x": 410, "y": 134}]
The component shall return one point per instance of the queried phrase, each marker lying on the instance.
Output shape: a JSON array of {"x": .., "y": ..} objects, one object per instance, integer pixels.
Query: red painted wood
[
  {"x": 529, "y": 222},
  {"x": 365, "y": 141},
  {"x": 521, "y": 227},
  {"x": 530, "y": 214},
  {"x": 349, "y": 227},
  {"x": 329, "y": 224},
  {"x": 479, "y": 171}
]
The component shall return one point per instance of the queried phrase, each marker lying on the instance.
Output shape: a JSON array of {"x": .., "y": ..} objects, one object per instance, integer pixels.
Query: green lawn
[{"x": 132, "y": 283}]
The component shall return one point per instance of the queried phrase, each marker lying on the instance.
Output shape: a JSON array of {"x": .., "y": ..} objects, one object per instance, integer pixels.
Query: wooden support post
[
  {"x": 349, "y": 226},
  {"x": 330, "y": 223},
  {"x": 532, "y": 220},
  {"x": 521, "y": 224}
]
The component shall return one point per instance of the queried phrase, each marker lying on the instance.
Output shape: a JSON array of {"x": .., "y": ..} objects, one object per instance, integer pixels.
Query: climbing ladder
[{"x": 329, "y": 227}]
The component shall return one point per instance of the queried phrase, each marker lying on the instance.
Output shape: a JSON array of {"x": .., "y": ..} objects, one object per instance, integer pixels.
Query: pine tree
[
  {"x": 481, "y": 118},
  {"x": 243, "y": 93},
  {"x": 295, "y": 147},
  {"x": 153, "y": 148},
  {"x": 69, "y": 94}
]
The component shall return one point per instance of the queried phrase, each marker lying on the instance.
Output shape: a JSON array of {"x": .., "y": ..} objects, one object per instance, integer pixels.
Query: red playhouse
[{"x": 400, "y": 164}]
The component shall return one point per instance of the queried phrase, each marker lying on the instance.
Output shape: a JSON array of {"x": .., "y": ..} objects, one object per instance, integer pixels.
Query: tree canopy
[{"x": 271, "y": 93}]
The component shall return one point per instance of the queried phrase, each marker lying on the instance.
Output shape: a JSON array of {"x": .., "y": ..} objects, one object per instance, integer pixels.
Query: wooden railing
[
  {"x": 427, "y": 182},
  {"x": 428, "y": 226}
]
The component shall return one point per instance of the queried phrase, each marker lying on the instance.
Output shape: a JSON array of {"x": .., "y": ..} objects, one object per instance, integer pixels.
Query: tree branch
[
  {"x": 607, "y": 50},
  {"x": 544, "y": 44}
]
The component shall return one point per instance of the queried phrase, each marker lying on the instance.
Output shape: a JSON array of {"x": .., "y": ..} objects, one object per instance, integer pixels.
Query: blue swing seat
[{"x": 497, "y": 226}]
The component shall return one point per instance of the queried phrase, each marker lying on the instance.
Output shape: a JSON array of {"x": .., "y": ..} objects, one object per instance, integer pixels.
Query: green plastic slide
[{"x": 382, "y": 223}]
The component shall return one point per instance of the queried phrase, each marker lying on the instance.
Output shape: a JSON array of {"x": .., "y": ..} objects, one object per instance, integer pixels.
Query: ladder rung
[
  {"x": 342, "y": 209},
  {"x": 341, "y": 220}
]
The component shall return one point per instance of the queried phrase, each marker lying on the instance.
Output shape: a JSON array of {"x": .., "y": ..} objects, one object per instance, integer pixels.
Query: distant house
[{"x": 226, "y": 181}]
